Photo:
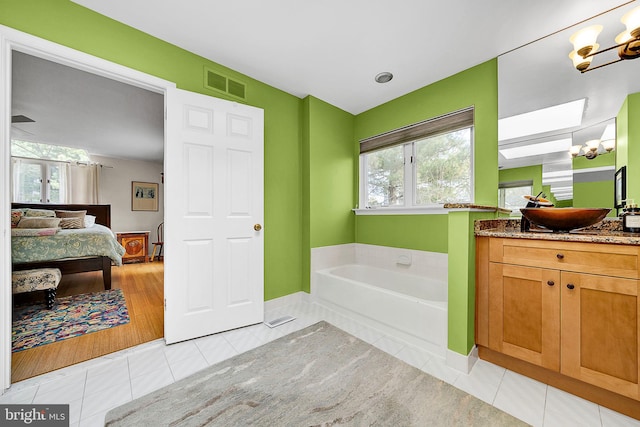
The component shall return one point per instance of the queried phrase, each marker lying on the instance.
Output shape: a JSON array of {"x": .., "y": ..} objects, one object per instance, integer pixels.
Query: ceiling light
[
  {"x": 384, "y": 77},
  {"x": 609, "y": 144},
  {"x": 547, "y": 119},
  {"x": 627, "y": 43},
  {"x": 590, "y": 148},
  {"x": 536, "y": 149}
]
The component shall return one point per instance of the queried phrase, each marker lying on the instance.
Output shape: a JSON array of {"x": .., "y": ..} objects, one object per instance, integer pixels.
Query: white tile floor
[{"x": 94, "y": 387}]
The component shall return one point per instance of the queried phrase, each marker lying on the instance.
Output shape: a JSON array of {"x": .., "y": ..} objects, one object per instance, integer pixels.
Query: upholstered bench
[{"x": 40, "y": 279}]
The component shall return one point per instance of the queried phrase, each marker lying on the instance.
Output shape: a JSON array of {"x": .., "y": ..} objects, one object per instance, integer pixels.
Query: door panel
[
  {"x": 600, "y": 331},
  {"x": 213, "y": 256},
  {"x": 524, "y": 314}
]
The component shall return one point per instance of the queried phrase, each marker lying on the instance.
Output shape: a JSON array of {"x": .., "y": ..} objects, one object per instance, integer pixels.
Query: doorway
[{"x": 15, "y": 42}]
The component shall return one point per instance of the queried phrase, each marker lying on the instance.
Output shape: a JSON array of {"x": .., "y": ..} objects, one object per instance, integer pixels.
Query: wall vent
[
  {"x": 221, "y": 83},
  {"x": 235, "y": 88}
]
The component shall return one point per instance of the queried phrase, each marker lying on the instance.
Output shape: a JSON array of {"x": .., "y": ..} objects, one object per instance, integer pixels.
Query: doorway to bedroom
[{"x": 121, "y": 128}]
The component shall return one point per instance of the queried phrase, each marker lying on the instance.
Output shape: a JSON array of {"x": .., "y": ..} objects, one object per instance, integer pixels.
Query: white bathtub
[{"x": 409, "y": 306}]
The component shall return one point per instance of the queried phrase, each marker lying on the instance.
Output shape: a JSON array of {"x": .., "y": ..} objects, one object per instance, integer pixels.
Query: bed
[{"x": 84, "y": 257}]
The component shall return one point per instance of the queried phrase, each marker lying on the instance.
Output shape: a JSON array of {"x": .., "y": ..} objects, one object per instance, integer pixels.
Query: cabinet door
[
  {"x": 524, "y": 315},
  {"x": 600, "y": 331}
]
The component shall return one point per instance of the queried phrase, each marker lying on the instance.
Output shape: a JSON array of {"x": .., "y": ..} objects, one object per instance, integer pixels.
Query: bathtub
[{"x": 411, "y": 307}]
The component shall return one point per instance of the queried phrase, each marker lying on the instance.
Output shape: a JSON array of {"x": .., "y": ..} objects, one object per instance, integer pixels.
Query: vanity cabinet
[{"x": 568, "y": 308}]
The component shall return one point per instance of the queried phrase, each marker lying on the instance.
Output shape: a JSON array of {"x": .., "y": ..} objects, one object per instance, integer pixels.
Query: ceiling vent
[{"x": 222, "y": 83}]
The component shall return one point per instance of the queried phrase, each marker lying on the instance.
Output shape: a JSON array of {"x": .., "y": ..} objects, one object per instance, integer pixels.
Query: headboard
[{"x": 101, "y": 212}]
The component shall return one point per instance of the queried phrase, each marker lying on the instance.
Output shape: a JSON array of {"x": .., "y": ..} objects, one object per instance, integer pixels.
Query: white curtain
[
  {"x": 82, "y": 183},
  {"x": 15, "y": 178}
]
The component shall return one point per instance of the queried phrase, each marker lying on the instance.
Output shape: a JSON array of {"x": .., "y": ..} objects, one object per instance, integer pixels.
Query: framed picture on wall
[
  {"x": 144, "y": 196},
  {"x": 620, "y": 187}
]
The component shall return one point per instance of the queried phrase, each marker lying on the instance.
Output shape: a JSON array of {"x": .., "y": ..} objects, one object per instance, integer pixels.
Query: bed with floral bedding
[{"x": 38, "y": 241}]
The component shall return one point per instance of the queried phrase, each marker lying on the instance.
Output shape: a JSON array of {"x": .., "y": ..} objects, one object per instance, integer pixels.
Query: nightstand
[{"x": 136, "y": 246}]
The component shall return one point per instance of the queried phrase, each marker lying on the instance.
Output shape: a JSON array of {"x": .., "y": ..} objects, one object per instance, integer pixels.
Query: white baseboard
[
  {"x": 461, "y": 362},
  {"x": 276, "y": 303}
]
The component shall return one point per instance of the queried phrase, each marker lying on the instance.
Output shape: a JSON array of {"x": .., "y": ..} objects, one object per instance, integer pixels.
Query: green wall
[
  {"x": 328, "y": 171},
  {"x": 628, "y": 143},
  {"x": 595, "y": 194},
  {"x": 533, "y": 173},
  {"x": 69, "y": 24},
  {"x": 478, "y": 87},
  {"x": 419, "y": 232}
]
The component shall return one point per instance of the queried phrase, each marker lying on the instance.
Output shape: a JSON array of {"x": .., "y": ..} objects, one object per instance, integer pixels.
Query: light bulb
[
  {"x": 624, "y": 37},
  {"x": 593, "y": 144},
  {"x": 609, "y": 145},
  {"x": 579, "y": 62},
  {"x": 584, "y": 40},
  {"x": 632, "y": 21},
  {"x": 575, "y": 150}
]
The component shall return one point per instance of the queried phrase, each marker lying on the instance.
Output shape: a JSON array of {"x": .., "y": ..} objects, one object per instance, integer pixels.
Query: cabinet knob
[
  {"x": 550, "y": 282},
  {"x": 257, "y": 227},
  {"x": 570, "y": 286},
  {"x": 559, "y": 256}
]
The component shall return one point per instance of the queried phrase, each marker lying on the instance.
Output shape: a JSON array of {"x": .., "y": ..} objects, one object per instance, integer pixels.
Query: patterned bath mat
[{"x": 34, "y": 325}]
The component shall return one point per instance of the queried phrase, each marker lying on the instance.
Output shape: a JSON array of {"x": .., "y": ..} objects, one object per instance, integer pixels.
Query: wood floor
[{"x": 142, "y": 285}]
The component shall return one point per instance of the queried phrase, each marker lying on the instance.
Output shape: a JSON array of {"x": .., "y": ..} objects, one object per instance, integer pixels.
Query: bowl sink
[{"x": 564, "y": 219}]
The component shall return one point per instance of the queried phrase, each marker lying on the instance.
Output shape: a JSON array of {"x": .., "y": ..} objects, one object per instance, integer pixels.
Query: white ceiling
[
  {"x": 74, "y": 108},
  {"x": 332, "y": 49}
]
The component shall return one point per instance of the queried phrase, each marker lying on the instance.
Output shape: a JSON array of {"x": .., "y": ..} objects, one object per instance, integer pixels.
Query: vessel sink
[{"x": 564, "y": 219}]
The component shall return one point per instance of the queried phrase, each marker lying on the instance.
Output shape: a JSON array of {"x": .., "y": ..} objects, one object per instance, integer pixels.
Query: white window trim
[{"x": 410, "y": 209}]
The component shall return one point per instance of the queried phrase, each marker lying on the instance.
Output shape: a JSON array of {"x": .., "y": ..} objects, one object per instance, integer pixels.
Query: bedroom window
[
  {"x": 422, "y": 165},
  {"x": 40, "y": 171},
  {"x": 37, "y": 181}
]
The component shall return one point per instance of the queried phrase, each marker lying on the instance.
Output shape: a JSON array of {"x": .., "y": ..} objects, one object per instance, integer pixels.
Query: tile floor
[{"x": 94, "y": 387}]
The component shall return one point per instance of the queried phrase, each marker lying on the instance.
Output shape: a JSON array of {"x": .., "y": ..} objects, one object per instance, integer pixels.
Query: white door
[{"x": 213, "y": 239}]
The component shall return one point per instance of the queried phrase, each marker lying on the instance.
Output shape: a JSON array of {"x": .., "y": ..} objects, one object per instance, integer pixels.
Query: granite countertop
[
  {"x": 474, "y": 206},
  {"x": 607, "y": 231}
]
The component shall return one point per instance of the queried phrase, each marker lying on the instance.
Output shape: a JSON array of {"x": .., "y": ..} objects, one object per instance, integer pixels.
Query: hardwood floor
[{"x": 142, "y": 285}]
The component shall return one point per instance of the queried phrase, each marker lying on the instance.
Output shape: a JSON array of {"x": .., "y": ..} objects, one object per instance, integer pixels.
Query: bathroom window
[
  {"x": 511, "y": 195},
  {"x": 421, "y": 165}
]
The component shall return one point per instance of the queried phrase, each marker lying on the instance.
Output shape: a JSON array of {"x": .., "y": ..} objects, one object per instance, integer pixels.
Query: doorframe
[{"x": 10, "y": 40}]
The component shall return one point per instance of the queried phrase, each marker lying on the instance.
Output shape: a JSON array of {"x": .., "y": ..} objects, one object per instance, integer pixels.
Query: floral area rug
[{"x": 34, "y": 325}]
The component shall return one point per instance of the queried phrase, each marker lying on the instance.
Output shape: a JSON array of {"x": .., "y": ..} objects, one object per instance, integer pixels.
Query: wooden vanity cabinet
[
  {"x": 570, "y": 308},
  {"x": 524, "y": 313},
  {"x": 600, "y": 331}
]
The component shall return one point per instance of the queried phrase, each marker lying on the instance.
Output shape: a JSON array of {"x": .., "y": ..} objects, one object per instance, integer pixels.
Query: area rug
[
  {"x": 319, "y": 376},
  {"x": 34, "y": 325}
]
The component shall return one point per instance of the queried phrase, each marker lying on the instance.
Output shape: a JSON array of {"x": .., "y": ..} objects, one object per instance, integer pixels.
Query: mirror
[{"x": 541, "y": 75}]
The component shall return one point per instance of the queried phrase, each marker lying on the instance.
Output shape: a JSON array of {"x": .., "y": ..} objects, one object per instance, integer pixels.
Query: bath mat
[
  {"x": 34, "y": 325},
  {"x": 318, "y": 376}
]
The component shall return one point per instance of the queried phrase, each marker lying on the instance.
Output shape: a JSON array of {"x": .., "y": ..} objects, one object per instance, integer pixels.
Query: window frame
[
  {"x": 45, "y": 180},
  {"x": 410, "y": 178}
]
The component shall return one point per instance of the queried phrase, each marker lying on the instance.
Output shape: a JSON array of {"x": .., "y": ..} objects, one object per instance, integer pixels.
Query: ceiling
[
  {"x": 331, "y": 50},
  {"x": 334, "y": 48},
  {"x": 74, "y": 108}
]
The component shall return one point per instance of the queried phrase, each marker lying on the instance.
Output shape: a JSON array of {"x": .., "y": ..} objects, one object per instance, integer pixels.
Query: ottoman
[{"x": 40, "y": 279}]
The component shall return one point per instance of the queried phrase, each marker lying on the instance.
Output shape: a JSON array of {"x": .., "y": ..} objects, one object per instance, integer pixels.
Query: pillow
[
  {"x": 69, "y": 223},
  {"x": 40, "y": 213},
  {"x": 38, "y": 222},
  {"x": 16, "y": 214},
  {"x": 89, "y": 221},
  {"x": 71, "y": 214}
]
